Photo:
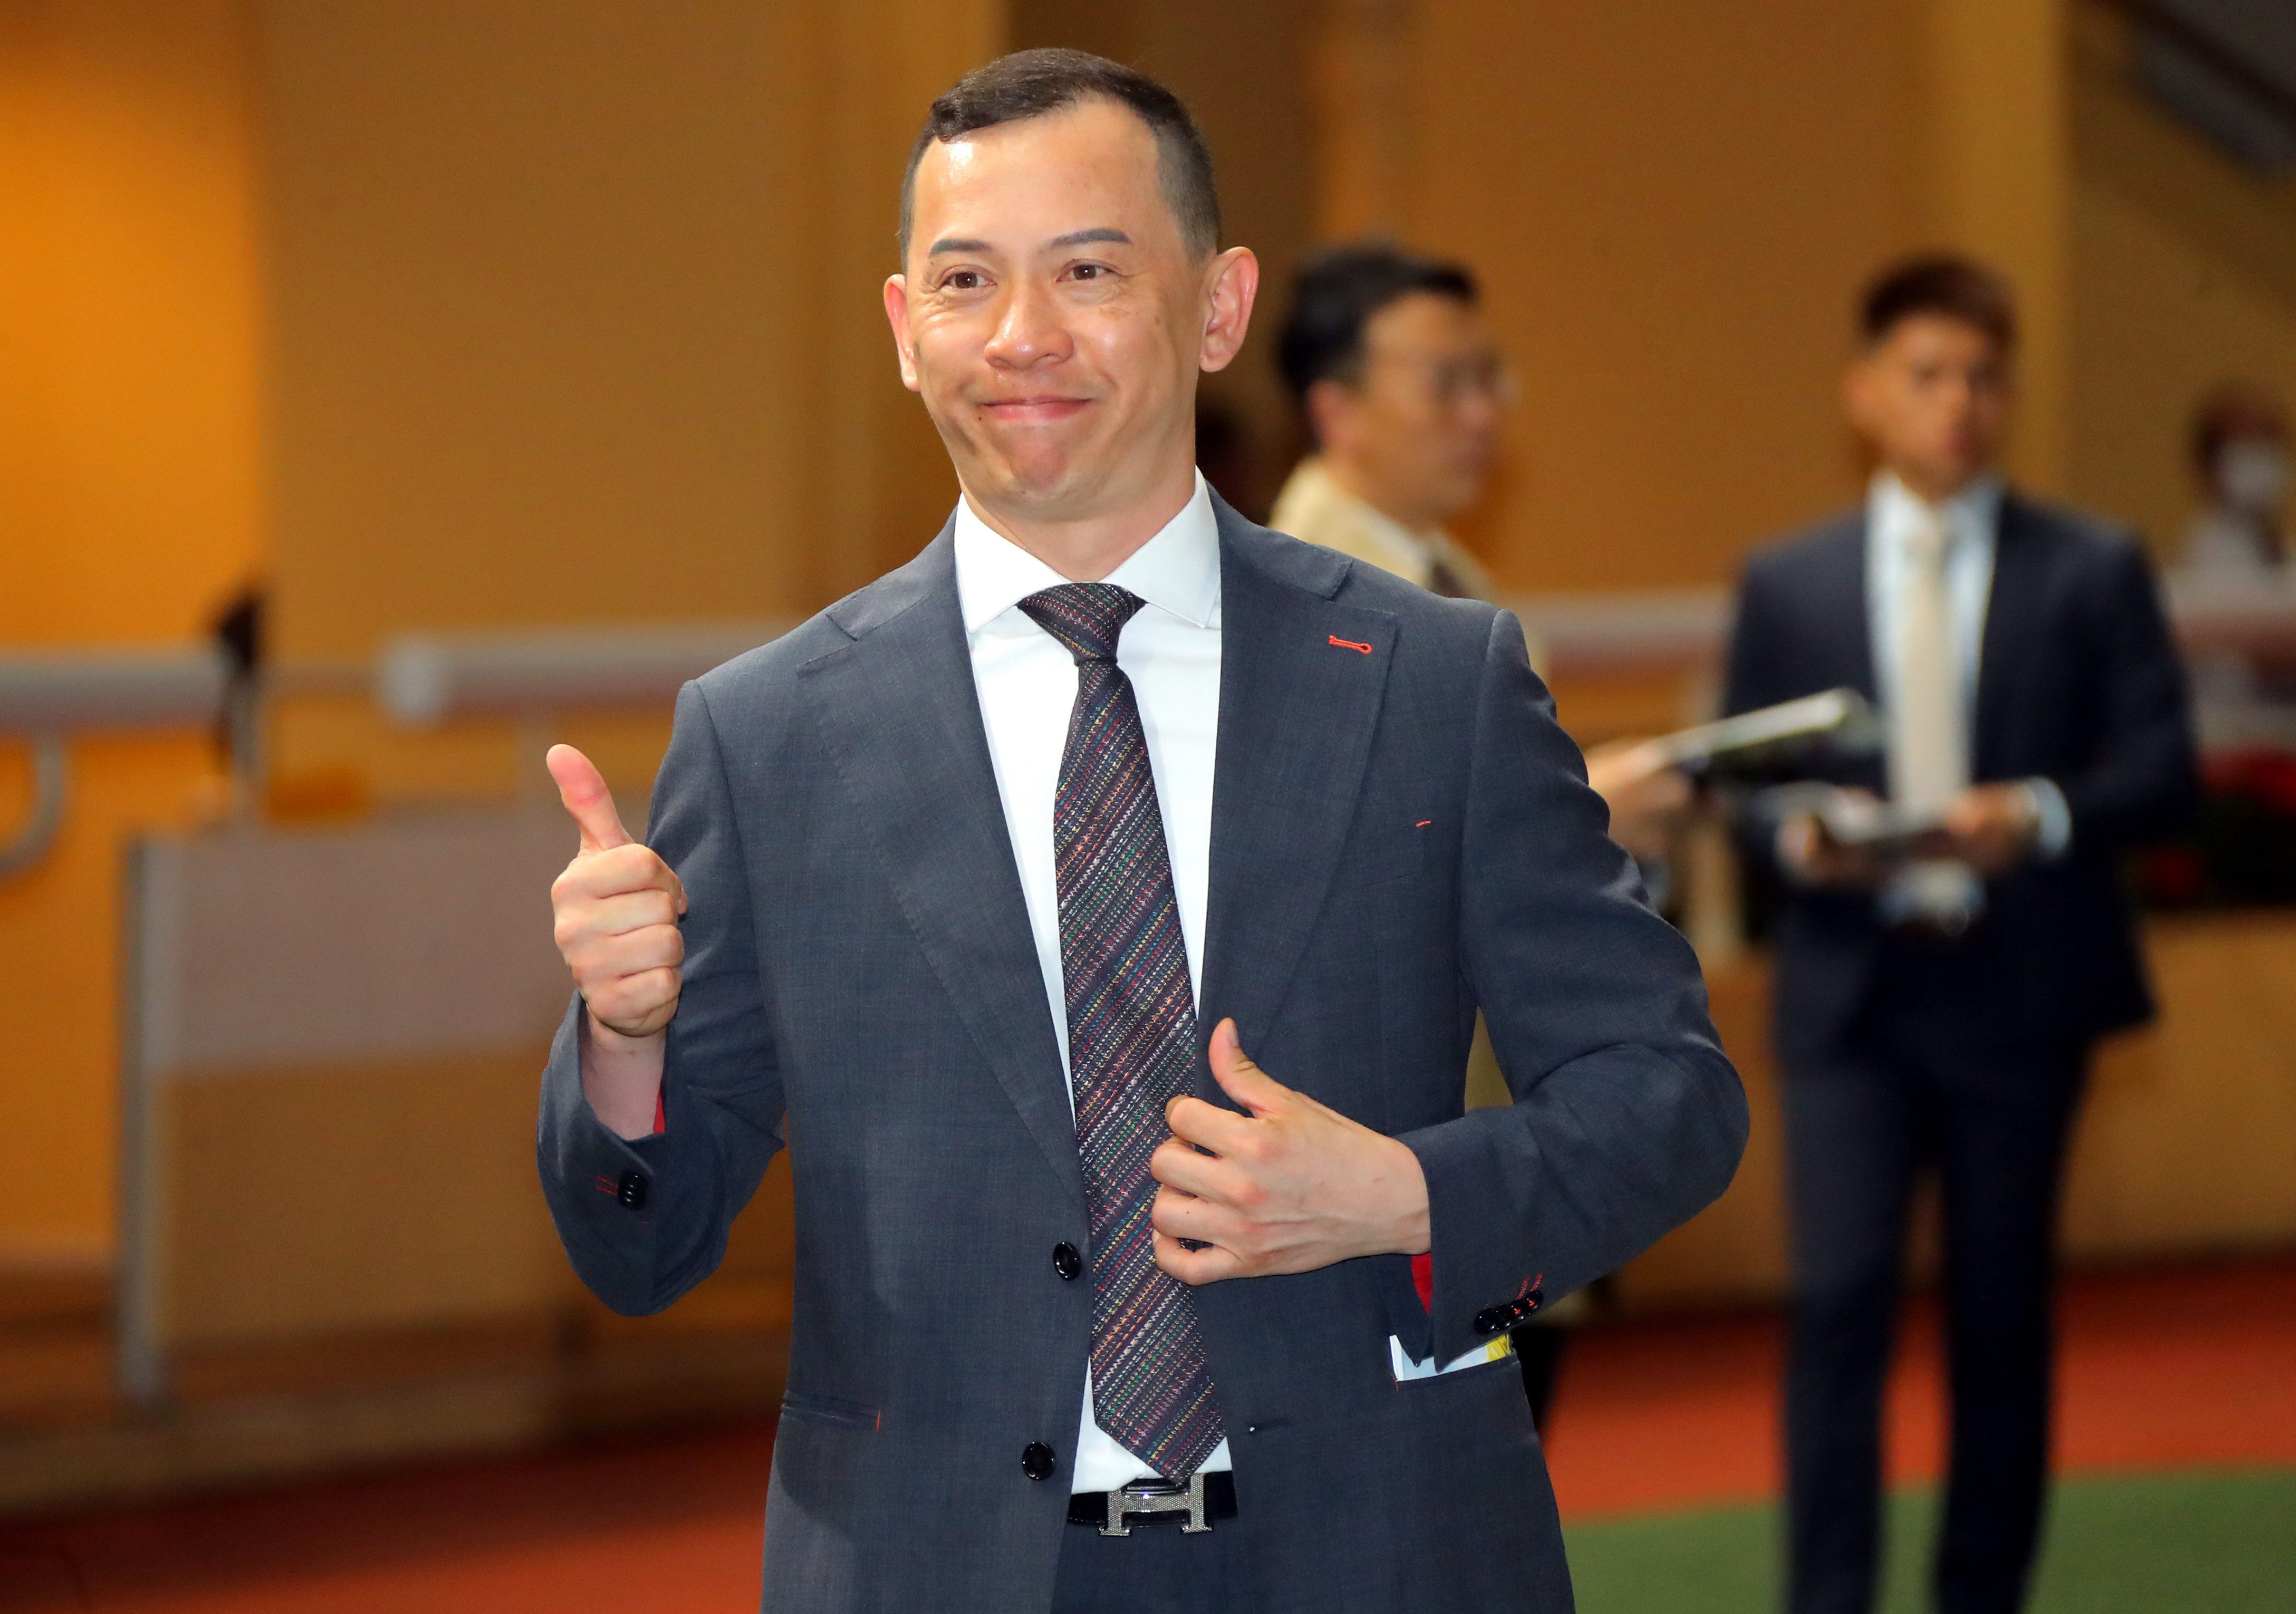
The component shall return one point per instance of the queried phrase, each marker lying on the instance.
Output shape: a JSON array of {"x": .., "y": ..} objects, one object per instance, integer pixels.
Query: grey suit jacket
[{"x": 1400, "y": 834}]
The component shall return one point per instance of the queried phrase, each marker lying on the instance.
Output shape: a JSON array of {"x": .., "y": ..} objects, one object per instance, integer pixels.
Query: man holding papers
[{"x": 1953, "y": 939}]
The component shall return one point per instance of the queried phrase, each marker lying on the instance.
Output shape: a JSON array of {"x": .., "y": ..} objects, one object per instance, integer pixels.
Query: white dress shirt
[
  {"x": 1026, "y": 682},
  {"x": 1894, "y": 516}
]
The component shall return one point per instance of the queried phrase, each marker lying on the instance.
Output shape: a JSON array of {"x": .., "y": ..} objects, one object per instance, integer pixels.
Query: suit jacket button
[
  {"x": 1066, "y": 1262},
  {"x": 1491, "y": 1320},
  {"x": 1037, "y": 1460},
  {"x": 631, "y": 1189}
]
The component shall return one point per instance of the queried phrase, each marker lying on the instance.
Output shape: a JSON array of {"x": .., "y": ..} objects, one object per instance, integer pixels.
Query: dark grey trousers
[
  {"x": 1157, "y": 1569},
  {"x": 1917, "y": 1087}
]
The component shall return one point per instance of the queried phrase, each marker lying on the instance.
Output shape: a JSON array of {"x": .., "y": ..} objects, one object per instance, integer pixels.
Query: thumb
[
  {"x": 582, "y": 790},
  {"x": 1239, "y": 1078}
]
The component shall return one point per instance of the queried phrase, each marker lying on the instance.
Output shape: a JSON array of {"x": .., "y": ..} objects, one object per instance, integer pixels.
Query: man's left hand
[
  {"x": 1288, "y": 1187},
  {"x": 1991, "y": 828}
]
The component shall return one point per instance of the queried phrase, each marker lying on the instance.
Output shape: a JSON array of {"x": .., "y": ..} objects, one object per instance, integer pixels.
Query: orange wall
[
  {"x": 564, "y": 311},
  {"x": 129, "y": 500},
  {"x": 1671, "y": 205},
  {"x": 578, "y": 321}
]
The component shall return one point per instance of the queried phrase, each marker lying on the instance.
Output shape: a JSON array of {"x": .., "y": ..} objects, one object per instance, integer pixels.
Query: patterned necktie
[{"x": 1132, "y": 1036}]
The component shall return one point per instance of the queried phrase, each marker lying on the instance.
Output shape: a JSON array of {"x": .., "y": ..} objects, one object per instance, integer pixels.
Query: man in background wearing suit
[
  {"x": 1093, "y": 1312},
  {"x": 1936, "y": 1008},
  {"x": 1403, "y": 388}
]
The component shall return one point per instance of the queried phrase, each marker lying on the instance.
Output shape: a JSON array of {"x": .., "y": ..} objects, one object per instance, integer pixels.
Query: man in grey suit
[{"x": 1094, "y": 1312}]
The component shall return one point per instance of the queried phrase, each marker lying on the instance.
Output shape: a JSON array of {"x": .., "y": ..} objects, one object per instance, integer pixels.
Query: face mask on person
[{"x": 2252, "y": 475}]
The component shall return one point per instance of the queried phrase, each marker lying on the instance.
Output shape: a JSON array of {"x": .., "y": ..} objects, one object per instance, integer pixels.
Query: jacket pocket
[
  {"x": 1395, "y": 854},
  {"x": 832, "y": 1409}
]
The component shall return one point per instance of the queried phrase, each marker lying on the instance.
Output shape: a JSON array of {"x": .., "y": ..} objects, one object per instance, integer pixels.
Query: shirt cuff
[{"x": 2053, "y": 820}]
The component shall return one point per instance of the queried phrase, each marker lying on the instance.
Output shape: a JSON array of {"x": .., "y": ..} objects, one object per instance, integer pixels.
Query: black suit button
[
  {"x": 1491, "y": 1320},
  {"x": 631, "y": 1190},
  {"x": 1066, "y": 1262},
  {"x": 1037, "y": 1460}
]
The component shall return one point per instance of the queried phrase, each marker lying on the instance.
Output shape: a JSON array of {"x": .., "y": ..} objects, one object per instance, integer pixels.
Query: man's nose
[
  {"x": 1480, "y": 410},
  {"x": 1029, "y": 330}
]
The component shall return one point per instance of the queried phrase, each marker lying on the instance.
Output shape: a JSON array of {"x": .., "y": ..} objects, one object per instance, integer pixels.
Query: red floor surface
[{"x": 2161, "y": 1370}]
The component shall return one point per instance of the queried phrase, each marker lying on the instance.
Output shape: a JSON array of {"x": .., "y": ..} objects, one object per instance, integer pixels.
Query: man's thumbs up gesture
[
  {"x": 1288, "y": 1187},
  {"x": 617, "y": 908}
]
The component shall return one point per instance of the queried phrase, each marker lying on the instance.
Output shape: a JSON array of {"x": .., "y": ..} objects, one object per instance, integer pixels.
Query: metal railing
[{"x": 421, "y": 680}]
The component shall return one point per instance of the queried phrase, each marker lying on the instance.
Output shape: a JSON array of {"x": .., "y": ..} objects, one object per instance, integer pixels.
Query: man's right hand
[
  {"x": 1815, "y": 858},
  {"x": 616, "y": 910}
]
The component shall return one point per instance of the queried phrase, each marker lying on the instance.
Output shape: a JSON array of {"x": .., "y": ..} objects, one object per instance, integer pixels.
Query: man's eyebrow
[{"x": 1074, "y": 238}]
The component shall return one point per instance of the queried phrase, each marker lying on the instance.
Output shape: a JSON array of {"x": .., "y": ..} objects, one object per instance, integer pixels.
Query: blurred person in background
[
  {"x": 2239, "y": 455},
  {"x": 1936, "y": 1002},
  {"x": 1403, "y": 388}
]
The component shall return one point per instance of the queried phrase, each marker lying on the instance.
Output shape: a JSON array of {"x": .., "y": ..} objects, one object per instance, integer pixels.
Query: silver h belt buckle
[{"x": 1157, "y": 1496}]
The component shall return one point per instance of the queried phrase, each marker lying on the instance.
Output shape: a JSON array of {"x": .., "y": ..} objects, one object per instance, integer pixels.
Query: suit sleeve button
[
  {"x": 631, "y": 1189},
  {"x": 1491, "y": 1320},
  {"x": 1066, "y": 1262},
  {"x": 1037, "y": 1460}
]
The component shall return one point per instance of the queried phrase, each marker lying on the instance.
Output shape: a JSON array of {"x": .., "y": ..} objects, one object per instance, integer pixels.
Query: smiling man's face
[{"x": 1053, "y": 317}]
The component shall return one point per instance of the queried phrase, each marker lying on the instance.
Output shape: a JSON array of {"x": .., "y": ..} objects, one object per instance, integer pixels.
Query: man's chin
[{"x": 1040, "y": 487}]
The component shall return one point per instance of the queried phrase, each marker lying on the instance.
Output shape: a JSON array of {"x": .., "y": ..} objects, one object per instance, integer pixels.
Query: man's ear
[
  {"x": 897, "y": 315},
  {"x": 1330, "y": 405},
  {"x": 1857, "y": 384},
  {"x": 1231, "y": 284}
]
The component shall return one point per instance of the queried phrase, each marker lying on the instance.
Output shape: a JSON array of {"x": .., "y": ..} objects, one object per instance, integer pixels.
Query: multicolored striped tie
[{"x": 1132, "y": 1037}]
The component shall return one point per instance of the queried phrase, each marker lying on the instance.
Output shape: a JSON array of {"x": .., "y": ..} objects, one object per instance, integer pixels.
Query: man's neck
[
  {"x": 1936, "y": 490},
  {"x": 1350, "y": 480},
  {"x": 1086, "y": 548}
]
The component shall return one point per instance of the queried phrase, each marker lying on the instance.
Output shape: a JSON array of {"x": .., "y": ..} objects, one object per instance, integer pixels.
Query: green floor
[{"x": 2194, "y": 1544}]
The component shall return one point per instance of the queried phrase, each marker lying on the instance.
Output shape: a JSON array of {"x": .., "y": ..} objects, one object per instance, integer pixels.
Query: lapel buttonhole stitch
[{"x": 1348, "y": 644}]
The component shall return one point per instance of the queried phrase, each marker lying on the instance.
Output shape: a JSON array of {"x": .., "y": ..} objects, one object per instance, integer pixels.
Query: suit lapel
[
  {"x": 2012, "y": 604},
  {"x": 1301, "y": 682},
  {"x": 899, "y": 712},
  {"x": 1845, "y": 591}
]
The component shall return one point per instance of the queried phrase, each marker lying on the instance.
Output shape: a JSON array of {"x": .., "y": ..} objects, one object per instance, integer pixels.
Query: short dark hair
[
  {"x": 1032, "y": 84},
  {"x": 1943, "y": 284},
  {"x": 1334, "y": 297}
]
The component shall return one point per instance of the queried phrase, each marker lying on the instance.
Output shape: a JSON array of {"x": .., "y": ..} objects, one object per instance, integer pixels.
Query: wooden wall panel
[
  {"x": 1671, "y": 207},
  {"x": 130, "y": 500},
  {"x": 576, "y": 320},
  {"x": 310, "y": 1201},
  {"x": 2185, "y": 1147}
]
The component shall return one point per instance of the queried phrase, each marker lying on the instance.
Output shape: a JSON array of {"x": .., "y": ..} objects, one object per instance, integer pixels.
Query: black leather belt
[{"x": 1205, "y": 1498}]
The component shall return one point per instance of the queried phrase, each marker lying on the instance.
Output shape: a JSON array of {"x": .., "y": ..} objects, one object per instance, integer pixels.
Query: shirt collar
[
  {"x": 1894, "y": 512},
  {"x": 1178, "y": 571}
]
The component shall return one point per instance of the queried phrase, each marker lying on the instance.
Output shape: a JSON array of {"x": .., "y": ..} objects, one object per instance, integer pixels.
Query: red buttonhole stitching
[{"x": 1348, "y": 644}]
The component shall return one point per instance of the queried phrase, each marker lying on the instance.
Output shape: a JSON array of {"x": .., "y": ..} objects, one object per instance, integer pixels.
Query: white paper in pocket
[{"x": 1491, "y": 1350}]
